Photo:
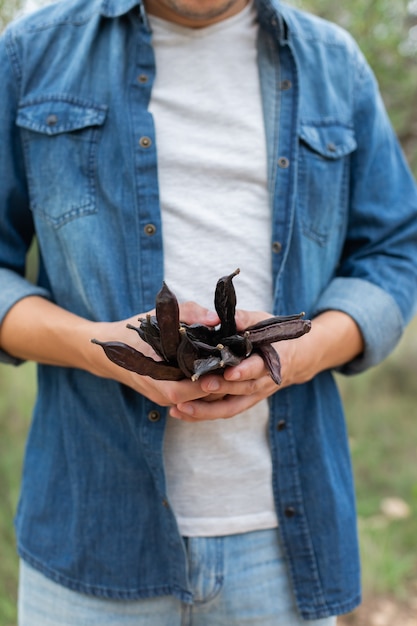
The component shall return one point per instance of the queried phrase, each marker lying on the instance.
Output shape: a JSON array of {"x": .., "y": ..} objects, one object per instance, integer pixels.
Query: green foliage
[
  {"x": 8, "y": 10},
  {"x": 380, "y": 407},
  {"x": 17, "y": 390}
]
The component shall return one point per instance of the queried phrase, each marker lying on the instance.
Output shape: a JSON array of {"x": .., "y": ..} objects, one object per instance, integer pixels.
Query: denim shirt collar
[
  {"x": 269, "y": 13},
  {"x": 115, "y": 8}
]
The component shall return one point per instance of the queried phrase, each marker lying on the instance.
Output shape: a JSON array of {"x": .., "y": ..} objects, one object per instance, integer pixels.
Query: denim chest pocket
[
  {"x": 323, "y": 178},
  {"x": 60, "y": 137}
]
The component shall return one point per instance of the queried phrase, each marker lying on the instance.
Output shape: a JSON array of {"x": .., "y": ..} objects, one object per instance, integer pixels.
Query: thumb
[{"x": 248, "y": 318}]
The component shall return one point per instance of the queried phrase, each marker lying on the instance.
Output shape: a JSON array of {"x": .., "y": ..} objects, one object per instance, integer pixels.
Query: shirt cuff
[{"x": 375, "y": 312}]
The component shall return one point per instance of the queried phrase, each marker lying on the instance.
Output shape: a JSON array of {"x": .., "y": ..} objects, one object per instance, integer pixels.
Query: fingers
[
  {"x": 162, "y": 392},
  {"x": 249, "y": 369},
  {"x": 227, "y": 407},
  {"x": 241, "y": 387},
  {"x": 236, "y": 390},
  {"x": 193, "y": 313},
  {"x": 166, "y": 393}
]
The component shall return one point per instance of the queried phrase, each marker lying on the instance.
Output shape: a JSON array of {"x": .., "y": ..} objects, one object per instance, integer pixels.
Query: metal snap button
[
  {"x": 142, "y": 78},
  {"x": 150, "y": 229},
  {"x": 286, "y": 84},
  {"x": 276, "y": 247},
  {"x": 154, "y": 416},
  {"x": 145, "y": 142},
  {"x": 282, "y": 425},
  {"x": 289, "y": 511},
  {"x": 51, "y": 120},
  {"x": 283, "y": 162}
]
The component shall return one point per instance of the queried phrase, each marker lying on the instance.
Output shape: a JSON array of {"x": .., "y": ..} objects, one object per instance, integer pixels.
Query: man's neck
[{"x": 194, "y": 13}]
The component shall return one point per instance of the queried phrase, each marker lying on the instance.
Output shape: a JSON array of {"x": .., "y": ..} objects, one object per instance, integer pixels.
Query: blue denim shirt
[{"x": 75, "y": 169}]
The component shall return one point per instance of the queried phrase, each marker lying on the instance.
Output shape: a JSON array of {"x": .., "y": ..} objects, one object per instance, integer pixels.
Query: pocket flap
[
  {"x": 330, "y": 141},
  {"x": 59, "y": 115}
]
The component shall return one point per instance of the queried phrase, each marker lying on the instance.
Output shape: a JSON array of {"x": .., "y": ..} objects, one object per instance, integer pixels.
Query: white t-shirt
[{"x": 216, "y": 216}]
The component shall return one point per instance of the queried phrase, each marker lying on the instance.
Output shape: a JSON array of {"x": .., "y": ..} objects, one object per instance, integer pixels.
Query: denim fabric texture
[
  {"x": 236, "y": 580},
  {"x": 79, "y": 168}
]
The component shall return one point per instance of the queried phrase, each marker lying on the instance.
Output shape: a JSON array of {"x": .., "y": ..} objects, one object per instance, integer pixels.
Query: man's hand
[
  {"x": 37, "y": 330},
  {"x": 334, "y": 339},
  {"x": 164, "y": 393}
]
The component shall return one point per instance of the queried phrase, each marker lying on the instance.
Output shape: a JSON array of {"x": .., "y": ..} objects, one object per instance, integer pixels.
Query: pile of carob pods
[{"x": 192, "y": 350}]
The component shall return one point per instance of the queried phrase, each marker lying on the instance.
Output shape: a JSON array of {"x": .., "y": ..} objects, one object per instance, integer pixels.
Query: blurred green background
[{"x": 380, "y": 404}]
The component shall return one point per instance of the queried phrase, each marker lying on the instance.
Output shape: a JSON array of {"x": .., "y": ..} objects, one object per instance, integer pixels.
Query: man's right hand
[{"x": 37, "y": 330}]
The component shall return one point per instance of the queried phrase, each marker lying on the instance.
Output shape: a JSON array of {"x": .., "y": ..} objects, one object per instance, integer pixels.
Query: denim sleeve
[
  {"x": 376, "y": 281},
  {"x": 375, "y": 312},
  {"x": 16, "y": 223}
]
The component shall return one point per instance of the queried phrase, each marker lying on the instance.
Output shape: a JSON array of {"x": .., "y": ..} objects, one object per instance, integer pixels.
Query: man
[{"x": 177, "y": 140}]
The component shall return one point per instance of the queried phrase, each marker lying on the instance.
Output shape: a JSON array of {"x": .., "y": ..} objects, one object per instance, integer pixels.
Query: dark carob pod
[
  {"x": 168, "y": 316},
  {"x": 187, "y": 353},
  {"x": 277, "y": 331},
  {"x": 272, "y": 361},
  {"x": 198, "y": 332},
  {"x": 149, "y": 332},
  {"x": 238, "y": 344},
  {"x": 209, "y": 365},
  {"x": 192, "y": 350},
  {"x": 228, "y": 358},
  {"x": 133, "y": 360},
  {"x": 225, "y": 304}
]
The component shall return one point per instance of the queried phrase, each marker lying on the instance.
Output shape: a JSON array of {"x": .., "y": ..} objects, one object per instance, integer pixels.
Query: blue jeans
[{"x": 239, "y": 580}]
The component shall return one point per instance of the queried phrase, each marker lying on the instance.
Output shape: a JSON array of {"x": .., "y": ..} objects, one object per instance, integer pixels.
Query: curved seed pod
[
  {"x": 204, "y": 366},
  {"x": 133, "y": 360},
  {"x": 278, "y": 331},
  {"x": 187, "y": 353},
  {"x": 149, "y": 332},
  {"x": 238, "y": 344},
  {"x": 228, "y": 358},
  {"x": 198, "y": 349},
  {"x": 137, "y": 328},
  {"x": 150, "y": 336},
  {"x": 277, "y": 319},
  {"x": 205, "y": 349},
  {"x": 272, "y": 361},
  {"x": 225, "y": 304},
  {"x": 168, "y": 316},
  {"x": 199, "y": 332}
]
